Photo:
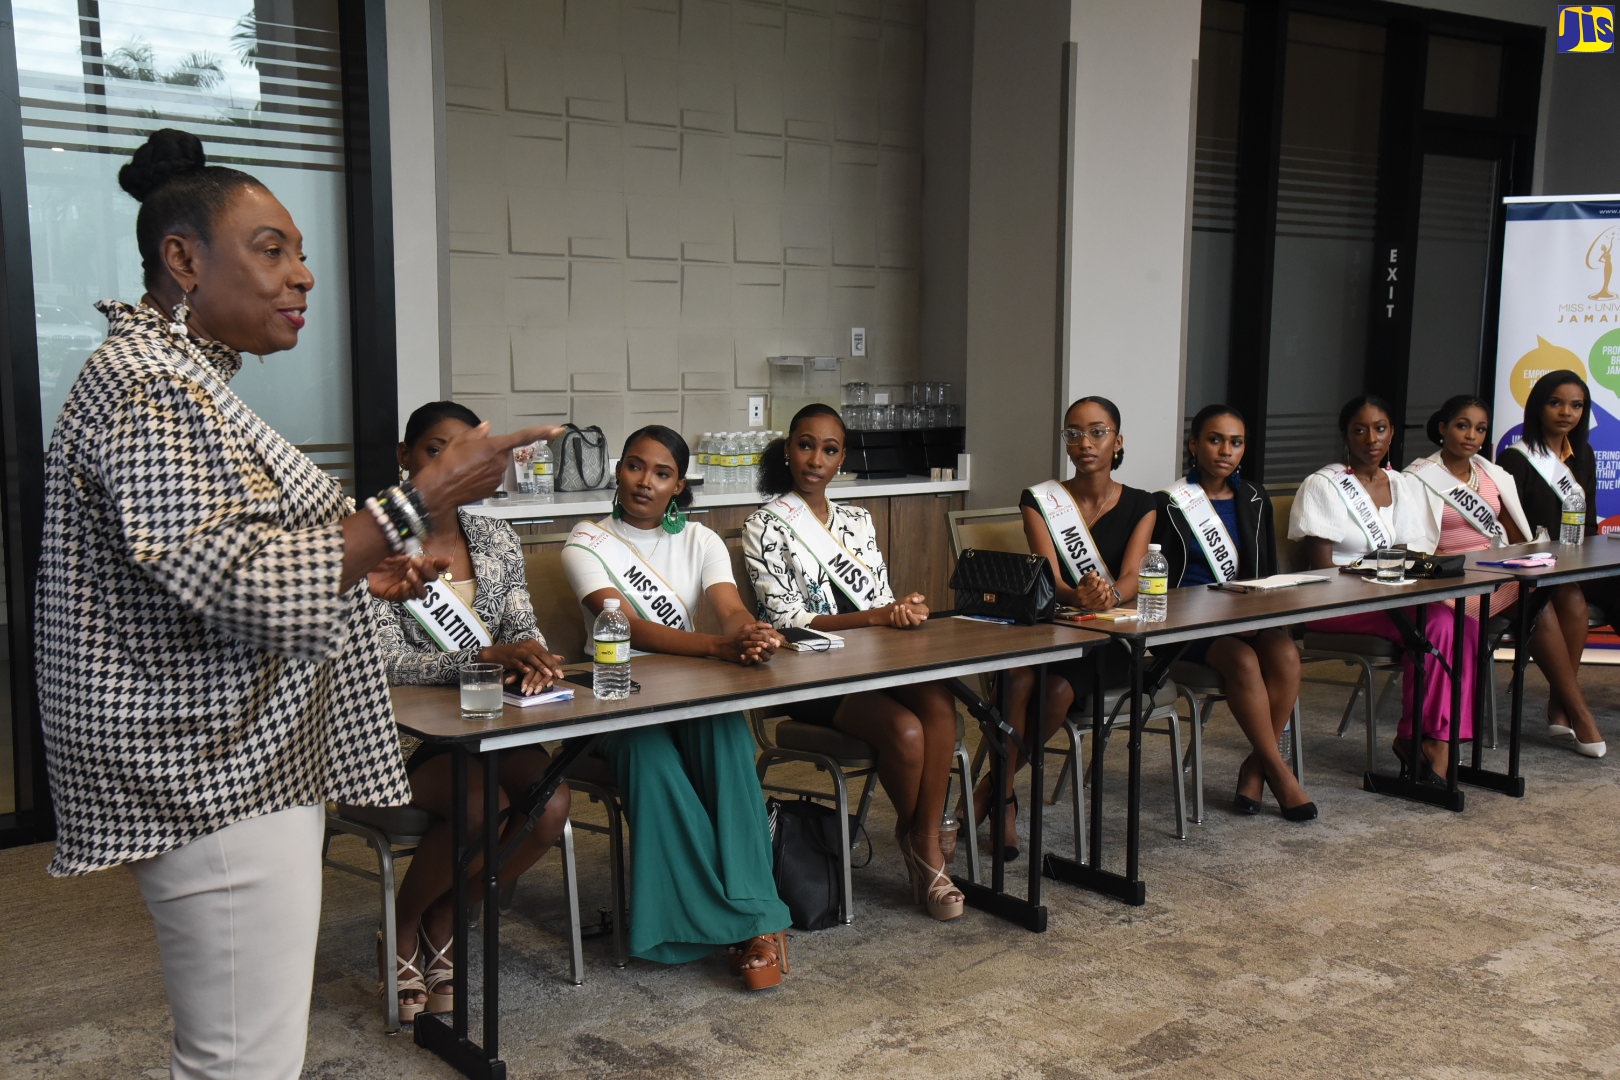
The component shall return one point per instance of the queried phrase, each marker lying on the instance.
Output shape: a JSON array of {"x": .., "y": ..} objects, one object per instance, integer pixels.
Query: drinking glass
[
  {"x": 481, "y": 691},
  {"x": 1391, "y": 564}
]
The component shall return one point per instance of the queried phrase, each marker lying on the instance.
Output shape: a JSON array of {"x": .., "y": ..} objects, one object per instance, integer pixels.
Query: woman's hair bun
[{"x": 165, "y": 154}]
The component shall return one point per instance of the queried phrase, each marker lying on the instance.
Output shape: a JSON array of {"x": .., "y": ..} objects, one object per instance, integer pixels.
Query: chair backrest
[
  {"x": 1288, "y": 557},
  {"x": 1000, "y": 529},
  {"x": 555, "y": 608}
]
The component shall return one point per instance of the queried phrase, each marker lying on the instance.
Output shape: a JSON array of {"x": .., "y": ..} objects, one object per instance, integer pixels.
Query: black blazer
[
  {"x": 1256, "y": 538},
  {"x": 1542, "y": 505}
]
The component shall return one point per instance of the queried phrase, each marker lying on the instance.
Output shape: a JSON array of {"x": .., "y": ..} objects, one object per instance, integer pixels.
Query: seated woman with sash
[
  {"x": 478, "y": 611},
  {"x": 1216, "y": 526},
  {"x": 701, "y": 852},
  {"x": 1349, "y": 508},
  {"x": 816, "y": 563},
  {"x": 1551, "y": 460},
  {"x": 1094, "y": 531}
]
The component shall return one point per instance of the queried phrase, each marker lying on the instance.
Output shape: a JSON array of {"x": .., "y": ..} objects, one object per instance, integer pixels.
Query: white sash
[
  {"x": 447, "y": 618},
  {"x": 653, "y": 598},
  {"x": 1075, "y": 547},
  {"x": 1461, "y": 498},
  {"x": 1553, "y": 471},
  {"x": 1359, "y": 503},
  {"x": 852, "y": 577},
  {"x": 1219, "y": 550}
]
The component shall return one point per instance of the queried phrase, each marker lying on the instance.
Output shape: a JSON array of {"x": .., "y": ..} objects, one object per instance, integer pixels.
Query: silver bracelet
[{"x": 396, "y": 543}]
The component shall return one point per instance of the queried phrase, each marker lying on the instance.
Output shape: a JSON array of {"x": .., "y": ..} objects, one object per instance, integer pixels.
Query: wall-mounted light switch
[{"x": 857, "y": 341}]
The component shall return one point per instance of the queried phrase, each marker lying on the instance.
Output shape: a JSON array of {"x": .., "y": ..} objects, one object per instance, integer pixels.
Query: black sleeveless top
[{"x": 1112, "y": 531}]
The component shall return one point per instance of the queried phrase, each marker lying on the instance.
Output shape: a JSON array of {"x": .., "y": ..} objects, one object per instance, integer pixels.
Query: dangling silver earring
[{"x": 403, "y": 474}]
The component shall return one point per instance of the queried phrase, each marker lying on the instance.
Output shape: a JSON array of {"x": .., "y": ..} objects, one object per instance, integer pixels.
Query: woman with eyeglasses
[
  {"x": 1215, "y": 526},
  {"x": 1094, "y": 531},
  {"x": 1345, "y": 510},
  {"x": 1551, "y": 458},
  {"x": 816, "y": 563}
]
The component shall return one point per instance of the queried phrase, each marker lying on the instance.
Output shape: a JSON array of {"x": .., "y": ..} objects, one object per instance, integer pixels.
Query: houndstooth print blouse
[{"x": 197, "y": 664}]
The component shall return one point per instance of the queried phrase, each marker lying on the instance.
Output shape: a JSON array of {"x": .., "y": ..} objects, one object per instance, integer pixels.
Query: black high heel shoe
[
  {"x": 1305, "y": 811},
  {"x": 1241, "y": 803},
  {"x": 1424, "y": 772}
]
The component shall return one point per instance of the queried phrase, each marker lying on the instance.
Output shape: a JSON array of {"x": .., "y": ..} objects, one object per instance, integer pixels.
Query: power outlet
[
  {"x": 857, "y": 341},
  {"x": 756, "y": 410}
]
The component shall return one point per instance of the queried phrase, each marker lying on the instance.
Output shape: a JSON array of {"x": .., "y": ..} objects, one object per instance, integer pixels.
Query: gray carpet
[{"x": 1383, "y": 940}]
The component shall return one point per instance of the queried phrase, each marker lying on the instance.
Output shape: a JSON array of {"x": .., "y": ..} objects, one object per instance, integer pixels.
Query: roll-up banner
[{"x": 1561, "y": 309}]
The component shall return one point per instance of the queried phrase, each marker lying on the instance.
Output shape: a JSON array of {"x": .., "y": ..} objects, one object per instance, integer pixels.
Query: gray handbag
[{"x": 581, "y": 458}]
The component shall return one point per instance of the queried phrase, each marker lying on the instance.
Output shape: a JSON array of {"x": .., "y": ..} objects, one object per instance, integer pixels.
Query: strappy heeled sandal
[
  {"x": 931, "y": 886},
  {"x": 438, "y": 970},
  {"x": 407, "y": 975},
  {"x": 772, "y": 949}
]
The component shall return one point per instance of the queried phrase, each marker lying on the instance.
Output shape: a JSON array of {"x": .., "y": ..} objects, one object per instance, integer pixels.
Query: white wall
[
  {"x": 1134, "y": 113},
  {"x": 416, "y": 145}
]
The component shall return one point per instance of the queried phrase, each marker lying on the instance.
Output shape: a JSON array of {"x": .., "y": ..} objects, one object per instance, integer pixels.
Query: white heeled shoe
[
  {"x": 1558, "y": 732},
  {"x": 1591, "y": 749}
]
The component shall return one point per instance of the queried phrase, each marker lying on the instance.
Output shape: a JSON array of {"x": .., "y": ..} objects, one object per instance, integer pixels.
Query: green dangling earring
[
  {"x": 618, "y": 509},
  {"x": 674, "y": 519}
]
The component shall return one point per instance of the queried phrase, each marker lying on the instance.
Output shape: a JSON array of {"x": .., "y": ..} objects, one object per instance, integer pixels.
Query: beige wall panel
[
  {"x": 595, "y": 294},
  {"x": 706, "y": 32},
  {"x": 854, "y": 177},
  {"x": 534, "y": 152},
  {"x": 534, "y": 80},
  {"x": 596, "y": 224},
  {"x": 806, "y": 235},
  {"x": 478, "y": 222},
  {"x": 899, "y": 177},
  {"x": 594, "y": 83},
  {"x": 757, "y": 35},
  {"x": 478, "y": 332},
  {"x": 651, "y": 29},
  {"x": 652, "y": 295},
  {"x": 805, "y": 299},
  {"x": 705, "y": 380},
  {"x": 706, "y": 96},
  {"x": 654, "y": 227},
  {"x": 538, "y": 221},
  {"x": 528, "y": 20},
  {"x": 899, "y": 237},
  {"x": 756, "y": 168},
  {"x": 595, "y": 157},
  {"x": 814, "y": 341},
  {"x": 706, "y": 296},
  {"x": 759, "y": 100},
  {"x": 539, "y": 358},
  {"x": 752, "y": 347},
  {"x": 643, "y": 409},
  {"x": 537, "y": 294},
  {"x": 606, "y": 411},
  {"x": 473, "y": 71},
  {"x": 852, "y": 299},
  {"x": 652, "y": 161},
  {"x": 705, "y": 166},
  {"x": 758, "y": 233},
  {"x": 706, "y": 231},
  {"x": 533, "y": 410},
  {"x": 854, "y": 231},
  {"x": 756, "y": 297},
  {"x": 705, "y": 351},
  {"x": 809, "y": 172},
  {"x": 899, "y": 299},
  {"x": 597, "y": 359},
  {"x": 591, "y": 25},
  {"x": 654, "y": 359},
  {"x": 652, "y": 91},
  {"x": 808, "y": 76},
  {"x": 708, "y": 412}
]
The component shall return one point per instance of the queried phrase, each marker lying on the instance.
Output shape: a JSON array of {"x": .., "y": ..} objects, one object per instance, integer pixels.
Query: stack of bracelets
[{"x": 402, "y": 515}]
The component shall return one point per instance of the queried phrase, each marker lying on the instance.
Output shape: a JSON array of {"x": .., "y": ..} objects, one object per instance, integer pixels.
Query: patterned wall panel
[{"x": 649, "y": 197}]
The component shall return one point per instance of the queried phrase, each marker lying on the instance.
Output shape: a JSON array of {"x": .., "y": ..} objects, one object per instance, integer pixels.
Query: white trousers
[{"x": 237, "y": 914}]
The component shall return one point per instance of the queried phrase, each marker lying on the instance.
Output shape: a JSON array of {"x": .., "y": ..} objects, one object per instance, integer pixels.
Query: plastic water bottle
[
  {"x": 1573, "y": 529},
  {"x": 1152, "y": 586},
  {"x": 705, "y": 452},
  {"x": 545, "y": 477},
  {"x": 610, "y": 680},
  {"x": 731, "y": 458}
]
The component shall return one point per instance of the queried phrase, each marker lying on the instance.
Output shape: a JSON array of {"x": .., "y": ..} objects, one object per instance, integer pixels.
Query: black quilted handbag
[
  {"x": 1004, "y": 585},
  {"x": 581, "y": 459}
]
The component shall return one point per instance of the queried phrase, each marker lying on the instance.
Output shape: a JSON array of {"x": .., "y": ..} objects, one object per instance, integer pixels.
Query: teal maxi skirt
[{"x": 700, "y": 845}]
